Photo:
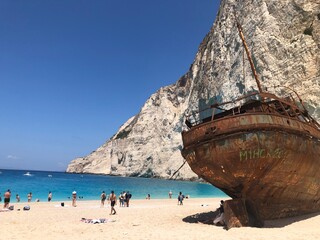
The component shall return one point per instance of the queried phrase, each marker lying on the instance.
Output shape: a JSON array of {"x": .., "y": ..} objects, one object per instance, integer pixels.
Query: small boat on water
[
  {"x": 263, "y": 152},
  {"x": 28, "y": 174}
]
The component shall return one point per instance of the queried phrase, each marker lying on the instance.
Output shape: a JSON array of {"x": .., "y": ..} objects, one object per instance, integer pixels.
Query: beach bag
[
  {"x": 62, "y": 204},
  {"x": 26, "y": 208}
]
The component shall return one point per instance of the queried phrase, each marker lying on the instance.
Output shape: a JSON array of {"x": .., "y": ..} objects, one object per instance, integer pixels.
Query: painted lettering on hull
[{"x": 260, "y": 153}]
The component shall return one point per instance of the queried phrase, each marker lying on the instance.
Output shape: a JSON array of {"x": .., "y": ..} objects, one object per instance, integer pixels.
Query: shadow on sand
[
  {"x": 208, "y": 217},
  {"x": 280, "y": 223}
]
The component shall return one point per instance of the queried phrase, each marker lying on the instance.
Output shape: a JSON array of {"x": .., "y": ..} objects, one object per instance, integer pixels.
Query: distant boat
[
  {"x": 27, "y": 174},
  {"x": 49, "y": 175}
]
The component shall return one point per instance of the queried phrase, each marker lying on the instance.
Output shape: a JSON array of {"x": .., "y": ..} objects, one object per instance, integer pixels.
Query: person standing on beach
[
  {"x": 103, "y": 198},
  {"x": 113, "y": 200},
  {"x": 128, "y": 197},
  {"x": 6, "y": 199},
  {"x": 170, "y": 194},
  {"x": 74, "y": 199},
  {"x": 180, "y": 199},
  {"x": 121, "y": 199},
  {"x": 17, "y": 197},
  {"x": 49, "y": 196},
  {"x": 29, "y": 196}
]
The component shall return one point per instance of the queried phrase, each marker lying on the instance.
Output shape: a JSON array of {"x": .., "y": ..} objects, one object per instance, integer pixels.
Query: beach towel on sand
[{"x": 95, "y": 221}]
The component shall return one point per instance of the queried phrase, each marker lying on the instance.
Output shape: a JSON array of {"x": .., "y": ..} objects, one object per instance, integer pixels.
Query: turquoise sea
[{"x": 90, "y": 186}]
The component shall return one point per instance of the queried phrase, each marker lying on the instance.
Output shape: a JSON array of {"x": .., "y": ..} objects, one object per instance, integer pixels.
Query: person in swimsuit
[
  {"x": 7, "y": 196},
  {"x": 49, "y": 196},
  {"x": 103, "y": 197},
  {"x": 113, "y": 200},
  {"x": 74, "y": 199},
  {"x": 17, "y": 197},
  {"x": 29, "y": 196}
]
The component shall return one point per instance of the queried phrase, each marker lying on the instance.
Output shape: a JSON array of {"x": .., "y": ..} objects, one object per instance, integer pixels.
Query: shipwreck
[{"x": 263, "y": 152}]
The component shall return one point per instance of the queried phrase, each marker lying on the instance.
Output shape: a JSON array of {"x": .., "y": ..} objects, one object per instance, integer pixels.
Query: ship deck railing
[{"x": 256, "y": 102}]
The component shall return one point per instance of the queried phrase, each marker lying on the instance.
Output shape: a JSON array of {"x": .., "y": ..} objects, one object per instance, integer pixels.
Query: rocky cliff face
[{"x": 284, "y": 38}]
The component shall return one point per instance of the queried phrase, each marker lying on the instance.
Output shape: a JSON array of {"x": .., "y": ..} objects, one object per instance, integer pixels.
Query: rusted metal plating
[{"x": 266, "y": 152}]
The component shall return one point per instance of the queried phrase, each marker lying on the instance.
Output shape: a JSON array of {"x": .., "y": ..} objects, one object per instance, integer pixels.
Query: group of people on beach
[
  {"x": 124, "y": 199},
  {"x": 7, "y": 198}
]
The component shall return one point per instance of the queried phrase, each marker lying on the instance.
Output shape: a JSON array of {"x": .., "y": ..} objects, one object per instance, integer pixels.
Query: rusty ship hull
[
  {"x": 260, "y": 149},
  {"x": 270, "y": 160}
]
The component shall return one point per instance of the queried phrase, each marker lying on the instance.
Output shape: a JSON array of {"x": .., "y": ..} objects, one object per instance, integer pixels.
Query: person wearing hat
[
  {"x": 7, "y": 196},
  {"x": 74, "y": 199}
]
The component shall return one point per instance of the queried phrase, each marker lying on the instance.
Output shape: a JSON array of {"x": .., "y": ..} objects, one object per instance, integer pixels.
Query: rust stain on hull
[
  {"x": 264, "y": 152},
  {"x": 268, "y": 159}
]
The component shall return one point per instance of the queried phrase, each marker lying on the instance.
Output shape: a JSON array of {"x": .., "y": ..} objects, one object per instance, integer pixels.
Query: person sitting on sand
[
  {"x": 221, "y": 208},
  {"x": 103, "y": 198},
  {"x": 113, "y": 200},
  {"x": 74, "y": 199},
  {"x": 6, "y": 200},
  {"x": 219, "y": 220}
]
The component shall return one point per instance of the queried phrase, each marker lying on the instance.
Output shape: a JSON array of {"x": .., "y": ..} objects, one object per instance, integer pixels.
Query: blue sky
[{"x": 72, "y": 72}]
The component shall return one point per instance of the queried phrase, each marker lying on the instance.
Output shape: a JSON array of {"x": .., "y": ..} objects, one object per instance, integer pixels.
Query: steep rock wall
[{"x": 284, "y": 39}]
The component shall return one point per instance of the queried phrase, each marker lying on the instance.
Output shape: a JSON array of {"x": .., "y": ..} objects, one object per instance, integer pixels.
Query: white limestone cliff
[{"x": 284, "y": 39}]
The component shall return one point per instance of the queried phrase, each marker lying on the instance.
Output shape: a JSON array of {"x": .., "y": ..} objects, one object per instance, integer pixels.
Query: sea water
[{"x": 90, "y": 186}]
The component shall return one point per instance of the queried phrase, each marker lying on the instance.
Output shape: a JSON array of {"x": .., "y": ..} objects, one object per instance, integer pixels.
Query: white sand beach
[{"x": 144, "y": 219}]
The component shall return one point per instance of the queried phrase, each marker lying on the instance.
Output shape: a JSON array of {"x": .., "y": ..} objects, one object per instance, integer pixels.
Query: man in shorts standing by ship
[
  {"x": 113, "y": 201},
  {"x": 7, "y": 196}
]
